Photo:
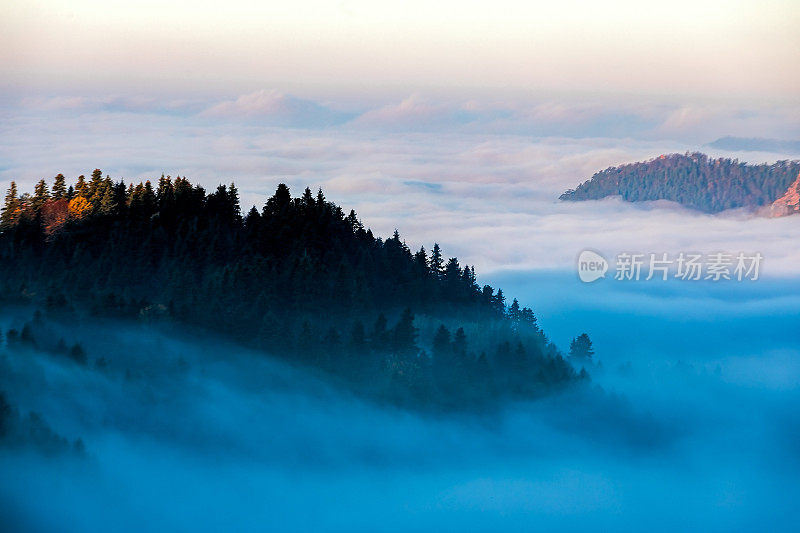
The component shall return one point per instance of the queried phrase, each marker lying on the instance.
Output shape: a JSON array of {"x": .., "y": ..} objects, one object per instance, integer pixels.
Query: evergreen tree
[
  {"x": 500, "y": 302},
  {"x": 233, "y": 201},
  {"x": 460, "y": 343},
  {"x": 580, "y": 349},
  {"x": 436, "y": 264},
  {"x": 452, "y": 272},
  {"x": 252, "y": 220},
  {"x": 40, "y": 195},
  {"x": 421, "y": 258},
  {"x": 95, "y": 186},
  {"x": 59, "y": 187},
  {"x": 279, "y": 202},
  {"x": 82, "y": 188},
  {"x": 441, "y": 342},
  {"x": 108, "y": 203},
  {"x": 405, "y": 334},
  {"x": 11, "y": 208}
]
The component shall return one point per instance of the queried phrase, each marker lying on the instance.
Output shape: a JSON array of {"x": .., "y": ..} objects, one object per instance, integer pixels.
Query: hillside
[
  {"x": 299, "y": 280},
  {"x": 693, "y": 180}
]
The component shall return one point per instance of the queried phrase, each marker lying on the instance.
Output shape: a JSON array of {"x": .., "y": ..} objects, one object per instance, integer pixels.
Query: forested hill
[
  {"x": 299, "y": 279},
  {"x": 693, "y": 180}
]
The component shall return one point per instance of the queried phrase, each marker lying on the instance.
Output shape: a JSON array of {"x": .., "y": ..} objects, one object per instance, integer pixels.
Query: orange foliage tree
[
  {"x": 79, "y": 207},
  {"x": 54, "y": 215}
]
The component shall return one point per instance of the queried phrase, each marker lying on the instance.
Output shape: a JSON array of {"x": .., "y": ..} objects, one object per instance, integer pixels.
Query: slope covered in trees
[
  {"x": 693, "y": 180},
  {"x": 299, "y": 279}
]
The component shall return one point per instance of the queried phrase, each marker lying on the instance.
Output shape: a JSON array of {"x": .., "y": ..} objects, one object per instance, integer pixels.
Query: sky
[{"x": 731, "y": 49}]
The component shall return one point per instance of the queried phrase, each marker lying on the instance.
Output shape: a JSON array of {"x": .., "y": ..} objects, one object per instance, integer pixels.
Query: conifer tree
[
  {"x": 580, "y": 348},
  {"x": 233, "y": 200},
  {"x": 95, "y": 186},
  {"x": 452, "y": 272},
  {"x": 421, "y": 258},
  {"x": 441, "y": 342},
  {"x": 59, "y": 187},
  {"x": 82, "y": 188},
  {"x": 460, "y": 343},
  {"x": 405, "y": 334},
  {"x": 436, "y": 264},
  {"x": 108, "y": 204},
  {"x": 40, "y": 194},
  {"x": 11, "y": 208}
]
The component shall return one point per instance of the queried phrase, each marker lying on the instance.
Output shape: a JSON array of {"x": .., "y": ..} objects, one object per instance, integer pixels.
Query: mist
[{"x": 690, "y": 422}]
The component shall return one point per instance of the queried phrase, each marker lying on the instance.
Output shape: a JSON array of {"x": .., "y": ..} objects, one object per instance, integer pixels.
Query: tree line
[{"x": 299, "y": 278}]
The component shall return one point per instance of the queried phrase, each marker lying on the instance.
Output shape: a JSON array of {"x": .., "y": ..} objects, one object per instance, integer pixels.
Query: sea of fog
[{"x": 692, "y": 422}]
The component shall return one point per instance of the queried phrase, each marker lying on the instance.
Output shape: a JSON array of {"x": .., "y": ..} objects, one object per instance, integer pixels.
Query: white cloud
[{"x": 273, "y": 107}]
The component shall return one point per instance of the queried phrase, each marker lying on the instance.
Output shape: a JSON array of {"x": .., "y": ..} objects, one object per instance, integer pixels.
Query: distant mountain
[
  {"x": 756, "y": 144},
  {"x": 693, "y": 180}
]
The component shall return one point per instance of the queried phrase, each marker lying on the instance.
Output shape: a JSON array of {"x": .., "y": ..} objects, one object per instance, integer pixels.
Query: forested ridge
[
  {"x": 693, "y": 180},
  {"x": 299, "y": 279}
]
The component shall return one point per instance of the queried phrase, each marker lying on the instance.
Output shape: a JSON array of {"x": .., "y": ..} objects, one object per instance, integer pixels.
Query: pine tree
[
  {"x": 59, "y": 187},
  {"x": 165, "y": 192},
  {"x": 252, "y": 220},
  {"x": 233, "y": 201},
  {"x": 307, "y": 200},
  {"x": 404, "y": 335},
  {"x": 279, "y": 202},
  {"x": 81, "y": 188},
  {"x": 452, "y": 272},
  {"x": 441, "y": 342},
  {"x": 436, "y": 264},
  {"x": 500, "y": 302},
  {"x": 40, "y": 195},
  {"x": 580, "y": 349},
  {"x": 95, "y": 186},
  {"x": 460, "y": 343},
  {"x": 149, "y": 199},
  {"x": 421, "y": 258},
  {"x": 11, "y": 208},
  {"x": 108, "y": 204}
]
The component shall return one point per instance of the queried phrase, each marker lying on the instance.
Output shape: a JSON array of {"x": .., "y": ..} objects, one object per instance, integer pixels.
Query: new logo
[{"x": 591, "y": 266}]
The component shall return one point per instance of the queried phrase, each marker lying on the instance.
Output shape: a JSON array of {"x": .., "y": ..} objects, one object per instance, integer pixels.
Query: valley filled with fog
[{"x": 690, "y": 420}]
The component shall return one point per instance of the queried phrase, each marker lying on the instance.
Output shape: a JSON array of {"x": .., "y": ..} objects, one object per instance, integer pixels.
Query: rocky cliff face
[{"x": 789, "y": 203}]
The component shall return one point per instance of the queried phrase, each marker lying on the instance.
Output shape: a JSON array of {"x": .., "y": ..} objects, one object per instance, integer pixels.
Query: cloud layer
[{"x": 467, "y": 175}]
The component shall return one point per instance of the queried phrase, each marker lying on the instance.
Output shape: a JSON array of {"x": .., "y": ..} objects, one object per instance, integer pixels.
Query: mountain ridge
[{"x": 693, "y": 180}]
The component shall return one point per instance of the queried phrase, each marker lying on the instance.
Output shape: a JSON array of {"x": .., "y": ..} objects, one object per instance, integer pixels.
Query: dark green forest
[
  {"x": 693, "y": 180},
  {"x": 299, "y": 279}
]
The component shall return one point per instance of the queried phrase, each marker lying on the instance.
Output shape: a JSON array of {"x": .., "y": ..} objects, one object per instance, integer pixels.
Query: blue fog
[{"x": 692, "y": 422}]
